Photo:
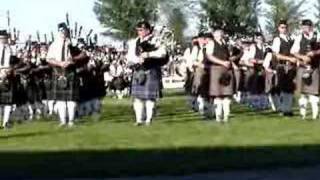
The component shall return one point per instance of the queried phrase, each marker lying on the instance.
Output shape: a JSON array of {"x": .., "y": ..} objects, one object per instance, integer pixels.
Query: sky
[
  {"x": 43, "y": 15},
  {"x": 31, "y": 15}
]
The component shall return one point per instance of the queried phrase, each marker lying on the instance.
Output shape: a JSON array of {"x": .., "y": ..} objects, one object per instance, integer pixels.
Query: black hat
[
  {"x": 208, "y": 35},
  {"x": 62, "y": 26},
  {"x": 201, "y": 34},
  {"x": 4, "y": 34},
  {"x": 81, "y": 40},
  {"x": 282, "y": 21},
  {"x": 43, "y": 44},
  {"x": 205, "y": 34},
  {"x": 306, "y": 22},
  {"x": 144, "y": 24}
]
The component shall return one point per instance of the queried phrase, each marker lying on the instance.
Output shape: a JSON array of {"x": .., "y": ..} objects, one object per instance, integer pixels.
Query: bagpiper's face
[
  {"x": 142, "y": 32},
  {"x": 306, "y": 29},
  {"x": 63, "y": 33},
  {"x": 201, "y": 41},
  {"x": 283, "y": 29},
  {"x": 218, "y": 35},
  {"x": 259, "y": 39}
]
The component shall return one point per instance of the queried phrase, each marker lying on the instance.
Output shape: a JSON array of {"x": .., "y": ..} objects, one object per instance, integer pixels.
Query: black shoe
[{"x": 288, "y": 114}]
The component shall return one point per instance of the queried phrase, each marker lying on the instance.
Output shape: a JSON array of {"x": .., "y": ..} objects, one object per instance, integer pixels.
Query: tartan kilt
[
  {"x": 47, "y": 88},
  {"x": 66, "y": 88},
  {"x": 313, "y": 86},
  {"x": 118, "y": 83},
  {"x": 200, "y": 84},
  {"x": 286, "y": 78},
  {"x": 101, "y": 90},
  {"x": 188, "y": 82},
  {"x": 8, "y": 91},
  {"x": 246, "y": 76},
  {"x": 85, "y": 77},
  {"x": 33, "y": 92},
  {"x": 216, "y": 89},
  {"x": 256, "y": 83},
  {"x": 271, "y": 83},
  {"x": 150, "y": 89}
]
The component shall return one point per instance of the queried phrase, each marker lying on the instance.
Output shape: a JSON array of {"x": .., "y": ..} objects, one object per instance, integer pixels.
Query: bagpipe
[
  {"x": 311, "y": 64},
  {"x": 158, "y": 39}
]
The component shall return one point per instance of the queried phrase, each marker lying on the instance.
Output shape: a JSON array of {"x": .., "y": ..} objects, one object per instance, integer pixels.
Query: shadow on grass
[
  {"x": 132, "y": 162},
  {"x": 26, "y": 135}
]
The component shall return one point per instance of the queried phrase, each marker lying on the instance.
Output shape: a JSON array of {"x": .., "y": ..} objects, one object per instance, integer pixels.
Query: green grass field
[{"x": 178, "y": 142}]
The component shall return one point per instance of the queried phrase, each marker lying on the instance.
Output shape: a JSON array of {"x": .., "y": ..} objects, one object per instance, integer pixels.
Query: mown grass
[{"x": 178, "y": 142}]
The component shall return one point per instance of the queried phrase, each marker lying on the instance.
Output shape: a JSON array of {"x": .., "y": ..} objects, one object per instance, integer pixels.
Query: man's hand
[
  {"x": 306, "y": 59},
  {"x": 66, "y": 64},
  {"x": 310, "y": 54},
  {"x": 253, "y": 61},
  {"x": 141, "y": 60},
  {"x": 144, "y": 55},
  {"x": 293, "y": 60},
  {"x": 226, "y": 64}
]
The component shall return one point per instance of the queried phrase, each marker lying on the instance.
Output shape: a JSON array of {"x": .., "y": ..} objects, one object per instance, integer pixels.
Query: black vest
[
  {"x": 285, "y": 46},
  {"x": 306, "y": 44},
  {"x": 147, "y": 46},
  {"x": 221, "y": 51},
  {"x": 259, "y": 53}
]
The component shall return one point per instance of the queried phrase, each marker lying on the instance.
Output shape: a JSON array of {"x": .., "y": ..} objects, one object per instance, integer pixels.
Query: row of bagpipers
[
  {"x": 218, "y": 71},
  {"x": 30, "y": 86}
]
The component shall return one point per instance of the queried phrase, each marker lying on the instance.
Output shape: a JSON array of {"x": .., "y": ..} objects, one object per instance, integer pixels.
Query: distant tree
[
  {"x": 120, "y": 16},
  {"x": 289, "y": 10}
]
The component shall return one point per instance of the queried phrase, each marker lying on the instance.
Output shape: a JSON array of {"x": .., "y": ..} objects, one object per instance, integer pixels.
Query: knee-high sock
[
  {"x": 51, "y": 106},
  {"x": 138, "y": 106},
  {"x": 218, "y": 108},
  {"x": 119, "y": 94},
  {"x": 314, "y": 101},
  {"x": 272, "y": 104},
  {"x": 72, "y": 105},
  {"x": 303, "y": 102},
  {"x": 62, "y": 111},
  {"x": 39, "y": 108},
  {"x": 200, "y": 101},
  {"x": 226, "y": 108},
  {"x": 30, "y": 108},
  {"x": 237, "y": 97},
  {"x": 6, "y": 114},
  {"x": 150, "y": 105}
]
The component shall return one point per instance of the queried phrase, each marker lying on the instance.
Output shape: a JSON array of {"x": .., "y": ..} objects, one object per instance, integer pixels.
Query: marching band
[{"x": 59, "y": 78}]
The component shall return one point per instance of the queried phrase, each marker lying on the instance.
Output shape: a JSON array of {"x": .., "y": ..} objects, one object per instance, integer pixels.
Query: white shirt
[
  {"x": 7, "y": 55},
  {"x": 252, "y": 51},
  {"x": 134, "y": 59},
  {"x": 296, "y": 45},
  {"x": 116, "y": 70},
  {"x": 246, "y": 56},
  {"x": 277, "y": 42},
  {"x": 55, "y": 50}
]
